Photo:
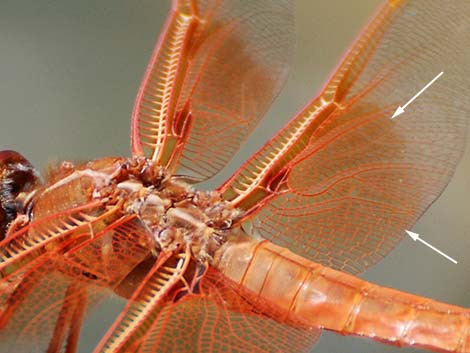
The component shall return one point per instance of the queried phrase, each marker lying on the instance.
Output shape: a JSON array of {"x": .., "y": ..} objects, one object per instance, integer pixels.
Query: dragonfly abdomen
[{"x": 311, "y": 295}]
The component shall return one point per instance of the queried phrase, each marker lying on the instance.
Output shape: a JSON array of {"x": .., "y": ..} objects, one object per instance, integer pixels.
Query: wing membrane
[
  {"x": 32, "y": 241},
  {"x": 213, "y": 74},
  {"x": 219, "y": 319},
  {"x": 144, "y": 304},
  {"x": 342, "y": 181},
  {"x": 44, "y": 294},
  {"x": 44, "y": 310}
]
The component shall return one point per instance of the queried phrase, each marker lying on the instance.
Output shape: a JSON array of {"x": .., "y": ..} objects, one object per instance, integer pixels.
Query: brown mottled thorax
[{"x": 174, "y": 213}]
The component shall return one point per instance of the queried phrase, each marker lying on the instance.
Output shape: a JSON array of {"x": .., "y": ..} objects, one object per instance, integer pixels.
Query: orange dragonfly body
[{"x": 268, "y": 259}]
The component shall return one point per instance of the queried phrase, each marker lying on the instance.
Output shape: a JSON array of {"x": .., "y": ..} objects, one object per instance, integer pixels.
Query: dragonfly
[{"x": 96, "y": 227}]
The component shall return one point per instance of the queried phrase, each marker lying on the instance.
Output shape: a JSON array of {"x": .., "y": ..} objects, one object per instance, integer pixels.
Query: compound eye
[{"x": 17, "y": 175}]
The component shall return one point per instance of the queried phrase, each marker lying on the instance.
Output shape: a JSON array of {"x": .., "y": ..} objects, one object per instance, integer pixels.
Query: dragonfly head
[{"x": 17, "y": 178}]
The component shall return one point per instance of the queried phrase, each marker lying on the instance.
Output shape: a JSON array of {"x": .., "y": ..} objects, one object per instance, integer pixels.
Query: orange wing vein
[
  {"x": 214, "y": 72},
  {"x": 48, "y": 233},
  {"x": 342, "y": 181},
  {"x": 215, "y": 318},
  {"x": 126, "y": 333},
  {"x": 44, "y": 293}
]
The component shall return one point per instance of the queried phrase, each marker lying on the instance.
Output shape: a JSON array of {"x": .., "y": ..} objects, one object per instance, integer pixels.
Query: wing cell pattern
[
  {"x": 342, "y": 181},
  {"x": 214, "y": 73}
]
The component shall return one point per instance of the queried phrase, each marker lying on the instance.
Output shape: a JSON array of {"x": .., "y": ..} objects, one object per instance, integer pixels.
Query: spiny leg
[{"x": 69, "y": 320}]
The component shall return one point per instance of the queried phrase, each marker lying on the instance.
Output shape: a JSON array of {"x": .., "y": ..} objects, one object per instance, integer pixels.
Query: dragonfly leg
[
  {"x": 76, "y": 323},
  {"x": 69, "y": 321}
]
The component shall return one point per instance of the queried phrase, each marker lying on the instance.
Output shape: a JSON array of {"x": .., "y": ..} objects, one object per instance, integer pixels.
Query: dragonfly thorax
[{"x": 174, "y": 213}]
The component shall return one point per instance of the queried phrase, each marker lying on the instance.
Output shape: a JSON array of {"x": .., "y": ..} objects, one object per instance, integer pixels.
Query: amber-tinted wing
[
  {"x": 215, "y": 319},
  {"x": 165, "y": 273},
  {"x": 342, "y": 181},
  {"x": 214, "y": 72},
  {"x": 38, "y": 300},
  {"x": 49, "y": 234},
  {"x": 45, "y": 310},
  {"x": 55, "y": 268}
]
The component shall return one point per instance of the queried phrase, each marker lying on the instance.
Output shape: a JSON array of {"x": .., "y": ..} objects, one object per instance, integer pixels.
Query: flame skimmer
[{"x": 98, "y": 226}]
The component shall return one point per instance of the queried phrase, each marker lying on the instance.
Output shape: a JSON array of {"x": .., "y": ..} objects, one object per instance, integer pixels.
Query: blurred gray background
[{"x": 69, "y": 71}]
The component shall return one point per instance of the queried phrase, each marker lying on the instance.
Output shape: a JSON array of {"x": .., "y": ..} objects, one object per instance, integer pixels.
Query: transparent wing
[
  {"x": 214, "y": 72},
  {"x": 342, "y": 181},
  {"x": 50, "y": 233},
  {"x": 69, "y": 261},
  {"x": 218, "y": 319},
  {"x": 45, "y": 310},
  {"x": 132, "y": 324}
]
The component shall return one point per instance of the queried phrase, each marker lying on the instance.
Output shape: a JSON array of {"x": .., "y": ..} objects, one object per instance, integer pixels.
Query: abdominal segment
[{"x": 306, "y": 294}]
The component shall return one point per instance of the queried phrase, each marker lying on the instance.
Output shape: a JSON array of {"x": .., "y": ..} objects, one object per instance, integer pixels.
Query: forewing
[
  {"x": 214, "y": 72},
  {"x": 45, "y": 307},
  {"x": 67, "y": 262},
  {"x": 342, "y": 181}
]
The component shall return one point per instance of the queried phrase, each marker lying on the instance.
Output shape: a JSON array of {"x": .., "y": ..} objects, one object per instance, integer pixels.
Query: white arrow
[
  {"x": 415, "y": 236},
  {"x": 401, "y": 109}
]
